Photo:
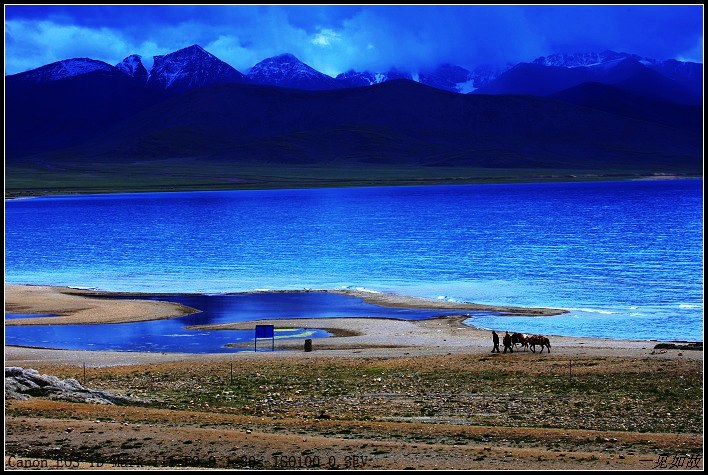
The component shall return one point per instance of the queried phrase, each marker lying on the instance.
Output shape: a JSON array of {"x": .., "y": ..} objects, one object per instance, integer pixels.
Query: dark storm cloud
[{"x": 334, "y": 39}]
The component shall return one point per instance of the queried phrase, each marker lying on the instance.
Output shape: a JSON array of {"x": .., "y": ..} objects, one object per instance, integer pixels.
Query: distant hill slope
[
  {"x": 617, "y": 101},
  {"x": 399, "y": 123},
  {"x": 42, "y": 116}
]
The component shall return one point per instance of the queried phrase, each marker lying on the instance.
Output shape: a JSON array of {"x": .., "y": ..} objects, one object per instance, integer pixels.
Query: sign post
[{"x": 264, "y": 331}]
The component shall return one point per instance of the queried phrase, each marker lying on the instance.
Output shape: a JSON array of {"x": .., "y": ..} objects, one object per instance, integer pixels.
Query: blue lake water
[
  {"x": 14, "y": 316},
  {"x": 626, "y": 257},
  {"x": 171, "y": 335}
]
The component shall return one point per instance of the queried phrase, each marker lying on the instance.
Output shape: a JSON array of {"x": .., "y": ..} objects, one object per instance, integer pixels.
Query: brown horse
[
  {"x": 520, "y": 339},
  {"x": 541, "y": 340}
]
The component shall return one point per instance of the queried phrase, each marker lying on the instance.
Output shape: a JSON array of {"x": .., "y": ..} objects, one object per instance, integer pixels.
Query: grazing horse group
[{"x": 531, "y": 341}]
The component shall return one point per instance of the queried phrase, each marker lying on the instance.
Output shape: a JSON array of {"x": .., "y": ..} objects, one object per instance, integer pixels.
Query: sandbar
[{"x": 75, "y": 306}]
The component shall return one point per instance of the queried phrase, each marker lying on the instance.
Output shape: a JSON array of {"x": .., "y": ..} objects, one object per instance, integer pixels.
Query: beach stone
[
  {"x": 23, "y": 383},
  {"x": 697, "y": 346}
]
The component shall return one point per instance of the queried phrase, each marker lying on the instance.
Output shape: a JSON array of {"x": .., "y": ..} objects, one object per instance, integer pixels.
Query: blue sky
[{"x": 334, "y": 39}]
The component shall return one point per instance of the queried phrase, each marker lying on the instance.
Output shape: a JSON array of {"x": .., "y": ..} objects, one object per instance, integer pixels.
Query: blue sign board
[{"x": 265, "y": 331}]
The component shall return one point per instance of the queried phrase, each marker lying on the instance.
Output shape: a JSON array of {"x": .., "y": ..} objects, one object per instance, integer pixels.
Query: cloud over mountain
[{"x": 335, "y": 39}]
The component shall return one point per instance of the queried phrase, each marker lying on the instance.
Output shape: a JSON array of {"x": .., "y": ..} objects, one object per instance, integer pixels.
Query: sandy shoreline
[
  {"x": 28, "y": 193},
  {"x": 377, "y": 338},
  {"x": 352, "y": 337}
]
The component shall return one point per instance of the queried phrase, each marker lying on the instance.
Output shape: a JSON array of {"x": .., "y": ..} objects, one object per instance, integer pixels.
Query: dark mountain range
[
  {"x": 447, "y": 77},
  {"x": 688, "y": 74},
  {"x": 626, "y": 73},
  {"x": 353, "y": 78},
  {"x": 288, "y": 71},
  {"x": 185, "y": 69},
  {"x": 534, "y": 79},
  {"x": 193, "y": 67},
  {"x": 639, "y": 79},
  {"x": 398, "y": 123},
  {"x": 80, "y": 113}
]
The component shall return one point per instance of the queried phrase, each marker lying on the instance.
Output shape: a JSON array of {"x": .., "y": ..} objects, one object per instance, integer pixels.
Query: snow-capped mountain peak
[
  {"x": 574, "y": 60},
  {"x": 189, "y": 68},
  {"x": 281, "y": 65},
  {"x": 286, "y": 70},
  {"x": 458, "y": 79},
  {"x": 448, "y": 77},
  {"x": 289, "y": 57},
  {"x": 133, "y": 67},
  {"x": 353, "y": 78},
  {"x": 64, "y": 69}
]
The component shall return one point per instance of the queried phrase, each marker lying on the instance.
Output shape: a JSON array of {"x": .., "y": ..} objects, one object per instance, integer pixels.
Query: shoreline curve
[{"x": 89, "y": 307}]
